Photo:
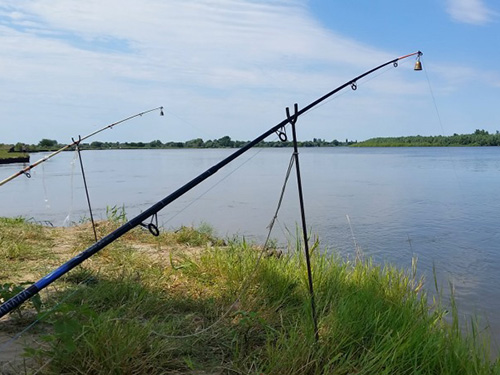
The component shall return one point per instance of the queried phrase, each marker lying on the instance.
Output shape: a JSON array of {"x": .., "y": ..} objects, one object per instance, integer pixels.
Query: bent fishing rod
[
  {"x": 26, "y": 170},
  {"x": 151, "y": 212}
]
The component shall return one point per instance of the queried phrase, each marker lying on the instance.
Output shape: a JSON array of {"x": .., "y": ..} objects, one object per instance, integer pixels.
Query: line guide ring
[
  {"x": 152, "y": 227},
  {"x": 282, "y": 135}
]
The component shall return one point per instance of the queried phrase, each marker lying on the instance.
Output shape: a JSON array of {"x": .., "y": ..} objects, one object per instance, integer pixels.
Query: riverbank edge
[
  {"x": 143, "y": 292},
  {"x": 13, "y": 157},
  {"x": 14, "y": 160}
]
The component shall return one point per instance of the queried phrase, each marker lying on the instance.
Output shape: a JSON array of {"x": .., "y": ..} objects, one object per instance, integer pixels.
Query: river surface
[{"x": 438, "y": 204}]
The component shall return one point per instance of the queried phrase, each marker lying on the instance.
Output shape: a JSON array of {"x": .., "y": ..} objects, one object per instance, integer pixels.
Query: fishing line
[
  {"x": 67, "y": 221},
  {"x": 17, "y": 336},
  {"x": 246, "y": 282},
  {"x": 280, "y": 201},
  {"x": 214, "y": 185},
  {"x": 287, "y": 233},
  {"x": 48, "y": 279},
  {"x": 243, "y": 290},
  {"x": 359, "y": 253},
  {"x": 45, "y": 194},
  {"x": 434, "y": 100},
  {"x": 43, "y": 366},
  {"x": 442, "y": 128},
  {"x": 452, "y": 158}
]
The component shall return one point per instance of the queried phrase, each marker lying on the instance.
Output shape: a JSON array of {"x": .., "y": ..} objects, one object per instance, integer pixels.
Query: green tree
[
  {"x": 20, "y": 147},
  {"x": 225, "y": 141},
  {"x": 194, "y": 143},
  {"x": 47, "y": 143},
  {"x": 155, "y": 144}
]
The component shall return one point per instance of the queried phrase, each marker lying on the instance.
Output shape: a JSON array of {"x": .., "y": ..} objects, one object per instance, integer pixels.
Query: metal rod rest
[
  {"x": 303, "y": 219},
  {"x": 86, "y": 188}
]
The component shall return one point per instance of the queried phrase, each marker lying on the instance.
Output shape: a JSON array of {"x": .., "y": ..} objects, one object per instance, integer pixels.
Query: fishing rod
[
  {"x": 26, "y": 170},
  {"x": 151, "y": 212}
]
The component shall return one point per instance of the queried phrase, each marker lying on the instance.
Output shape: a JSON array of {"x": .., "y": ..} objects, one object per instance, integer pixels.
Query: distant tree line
[
  {"x": 478, "y": 138},
  {"x": 224, "y": 142}
]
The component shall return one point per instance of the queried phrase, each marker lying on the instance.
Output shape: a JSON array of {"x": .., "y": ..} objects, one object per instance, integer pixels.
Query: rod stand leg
[
  {"x": 292, "y": 121},
  {"x": 77, "y": 144}
]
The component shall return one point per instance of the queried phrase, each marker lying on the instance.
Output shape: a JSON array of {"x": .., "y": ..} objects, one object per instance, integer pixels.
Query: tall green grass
[
  {"x": 215, "y": 311},
  {"x": 187, "y": 302}
]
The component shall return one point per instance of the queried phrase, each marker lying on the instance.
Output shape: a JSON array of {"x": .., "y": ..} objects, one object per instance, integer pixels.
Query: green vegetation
[
  {"x": 43, "y": 145},
  {"x": 224, "y": 142},
  {"x": 7, "y": 156},
  {"x": 188, "y": 303},
  {"x": 478, "y": 138}
]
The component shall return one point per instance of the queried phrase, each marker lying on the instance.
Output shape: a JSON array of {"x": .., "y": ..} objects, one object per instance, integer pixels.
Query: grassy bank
[
  {"x": 188, "y": 303},
  {"x": 10, "y": 157},
  {"x": 478, "y": 138}
]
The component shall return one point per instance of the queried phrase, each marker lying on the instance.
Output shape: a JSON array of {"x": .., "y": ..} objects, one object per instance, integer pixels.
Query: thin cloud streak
[{"x": 473, "y": 12}]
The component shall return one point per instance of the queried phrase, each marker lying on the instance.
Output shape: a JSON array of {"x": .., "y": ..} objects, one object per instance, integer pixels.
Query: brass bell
[{"x": 418, "y": 64}]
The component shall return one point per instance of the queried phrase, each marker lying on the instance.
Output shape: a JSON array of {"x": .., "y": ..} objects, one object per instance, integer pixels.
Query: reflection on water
[{"x": 438, "y": 204}]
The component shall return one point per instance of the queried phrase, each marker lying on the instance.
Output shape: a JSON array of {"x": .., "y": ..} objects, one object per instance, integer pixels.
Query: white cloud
[
  {"x": 230, "y": 65},
  {"x": 470, "y": 11},
  {"x": 197, "y": 40},
  {"x": 195, "y": 55}
]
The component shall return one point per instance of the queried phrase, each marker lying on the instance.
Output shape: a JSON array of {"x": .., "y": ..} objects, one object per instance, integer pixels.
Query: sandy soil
[{"x": 12, "y": 360}]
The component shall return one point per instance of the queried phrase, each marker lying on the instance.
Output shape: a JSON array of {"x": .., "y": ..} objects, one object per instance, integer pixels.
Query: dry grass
[{"x": 30, "y": 251}]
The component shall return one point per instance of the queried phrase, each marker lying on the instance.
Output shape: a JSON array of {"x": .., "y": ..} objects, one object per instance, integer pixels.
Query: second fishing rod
[
  {"x": 26, "y": 171},
  {"x": 21, "y": 297}
]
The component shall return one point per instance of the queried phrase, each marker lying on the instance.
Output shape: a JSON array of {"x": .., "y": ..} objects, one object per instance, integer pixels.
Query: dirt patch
[{"x": 12, "y": 359}]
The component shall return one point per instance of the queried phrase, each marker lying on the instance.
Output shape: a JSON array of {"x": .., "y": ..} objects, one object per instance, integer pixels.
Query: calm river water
[{"x": 439, "y": 204}]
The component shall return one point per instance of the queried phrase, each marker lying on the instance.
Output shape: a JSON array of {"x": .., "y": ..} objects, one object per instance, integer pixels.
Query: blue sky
[{"x": 230, "y": 67}]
